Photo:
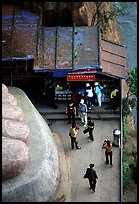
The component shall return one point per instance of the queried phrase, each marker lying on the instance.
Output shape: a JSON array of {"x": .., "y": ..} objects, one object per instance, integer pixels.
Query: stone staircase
[{"x": 97, "y": 113}]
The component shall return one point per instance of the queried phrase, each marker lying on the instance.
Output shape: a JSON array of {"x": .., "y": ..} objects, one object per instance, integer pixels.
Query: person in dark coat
[
  {"x": 89, "y": 129},
  {"x": 92, "y": 177},
  {"x": 50, "y": 94}
]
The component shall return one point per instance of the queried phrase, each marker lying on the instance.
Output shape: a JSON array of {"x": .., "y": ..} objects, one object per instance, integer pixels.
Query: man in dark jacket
[
  {"x": 50, "y": 94},
  {"x": 91, "y": 175},
  {"x": 89, "y": 128}
]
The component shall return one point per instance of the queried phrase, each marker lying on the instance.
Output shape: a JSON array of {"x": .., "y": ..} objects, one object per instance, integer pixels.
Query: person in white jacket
[{"x": 89, "y": 92}]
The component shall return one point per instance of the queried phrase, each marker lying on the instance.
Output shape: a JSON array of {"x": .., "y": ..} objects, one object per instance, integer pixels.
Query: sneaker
[
  {"x": 78, "y": 147},
  {"x": 106, "y": 162},
  {"x": 111, "y": 165},
  {"x": 90, "y": 140},
  {"x": 93, "y": 190}
]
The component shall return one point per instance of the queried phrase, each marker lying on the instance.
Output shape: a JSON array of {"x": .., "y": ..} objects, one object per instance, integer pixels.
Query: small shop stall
[{"x": 62, "y": 93}]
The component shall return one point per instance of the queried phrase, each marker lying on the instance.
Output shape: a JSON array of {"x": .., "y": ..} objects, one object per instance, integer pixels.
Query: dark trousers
[
  {"x": 90, "y": 130},
  {"x": 108, "y": 154},
  {"x": 74, "y": 142},
  {"x": 92, "y": 184},
  {"x": 89, "y": 101},
  {"x": 115, "y": 102},
  {"x": 71, "y": 116}
]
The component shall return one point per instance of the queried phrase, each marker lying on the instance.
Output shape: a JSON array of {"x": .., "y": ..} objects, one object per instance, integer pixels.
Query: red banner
[{"x": 79, "y": 77}]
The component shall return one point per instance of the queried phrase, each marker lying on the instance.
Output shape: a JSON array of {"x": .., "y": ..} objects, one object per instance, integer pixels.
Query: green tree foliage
[
  {"x": 124, "y": 131},
  {"x": 132, "y": 81},
  {"x": 130, "y": 101},
  {"x": 125, "y": 178}
]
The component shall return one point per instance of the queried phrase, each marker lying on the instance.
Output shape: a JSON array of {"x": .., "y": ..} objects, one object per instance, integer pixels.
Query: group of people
[
  {"x": 88, "y": 123},
  {"x": 90, "y": 173},
  {"x": 90, "y": 94}
]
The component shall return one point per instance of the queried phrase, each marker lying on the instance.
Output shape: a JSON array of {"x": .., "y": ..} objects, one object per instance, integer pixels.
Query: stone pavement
[
  {"x": 108, "y": 187},
  {"x": 73, "y": 163}
]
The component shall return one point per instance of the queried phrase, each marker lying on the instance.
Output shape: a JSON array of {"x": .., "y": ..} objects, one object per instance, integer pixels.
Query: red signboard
[{"x": 79, "y": 77}]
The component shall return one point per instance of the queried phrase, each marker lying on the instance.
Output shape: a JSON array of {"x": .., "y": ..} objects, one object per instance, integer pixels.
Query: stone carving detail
[
  {"x": 12, "y": 112},
  {"x": 4, "y": 89},
  {"x": 15, "y": 135},
  {"x": 14, "y": 157},
  {"x": 15, "y": 130},
  {"x": 9, "y": 98}
]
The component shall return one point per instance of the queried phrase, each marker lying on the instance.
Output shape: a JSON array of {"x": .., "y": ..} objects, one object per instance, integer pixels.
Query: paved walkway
[{"x": 108, "y": 185}]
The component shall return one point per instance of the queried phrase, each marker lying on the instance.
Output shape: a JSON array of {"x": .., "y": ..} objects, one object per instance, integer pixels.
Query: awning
[{"x": 92, "y": 75}]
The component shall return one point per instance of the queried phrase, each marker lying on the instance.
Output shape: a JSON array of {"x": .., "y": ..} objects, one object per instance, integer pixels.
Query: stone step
[{"x": 63, "y": 116}]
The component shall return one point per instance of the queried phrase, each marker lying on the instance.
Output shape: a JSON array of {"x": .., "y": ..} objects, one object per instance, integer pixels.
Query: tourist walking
[
  {"x": 97, "y": 90},
  {"x": 73, "y": 135},
  {"x": 89, "y": 129},
  {"x": 82, "y": 111},
  {"x": 71, "y": 112},
  {"x": 89, "y": 96},
  {"x": 92, "y": 177},
  {"x": 108, "y": 151}
]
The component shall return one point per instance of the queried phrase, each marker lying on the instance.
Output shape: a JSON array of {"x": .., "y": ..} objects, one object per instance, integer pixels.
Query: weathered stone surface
[
  {"x": 39, "y": 180},
  {"x": 15, "y": 130},
  {"x": 9, "y": 98},
  {"x": 4, "y": 89},
  {"x": 12, "y": 112},
  {"x": 14, "y": 157}
]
